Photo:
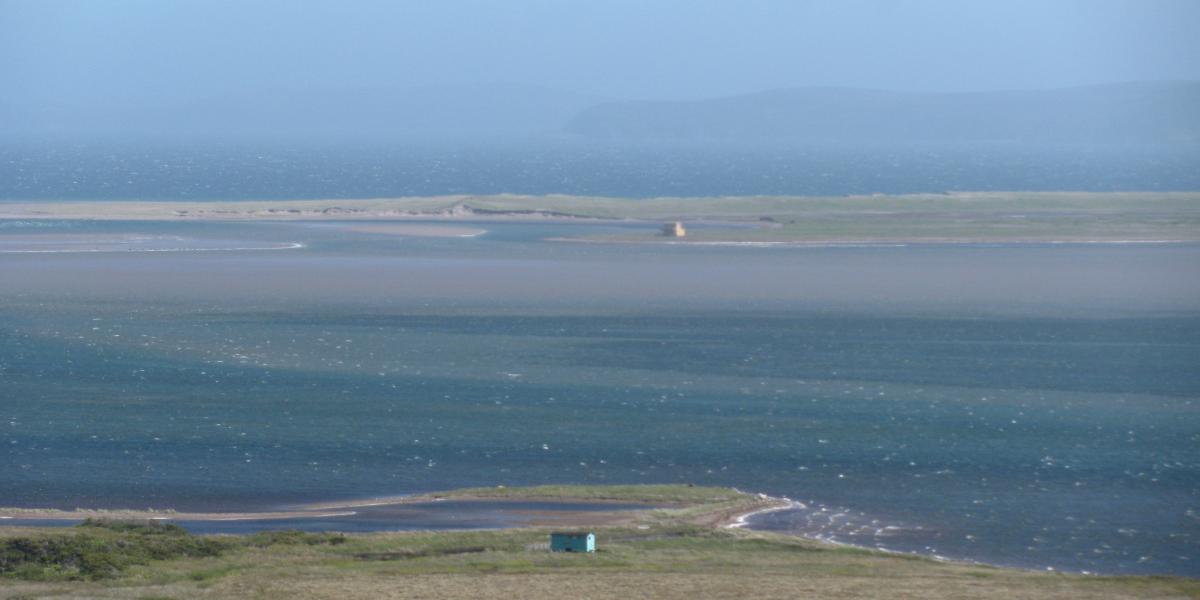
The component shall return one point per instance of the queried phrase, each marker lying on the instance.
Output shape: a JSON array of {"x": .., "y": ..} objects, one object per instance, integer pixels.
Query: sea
[
  {"x": 253, "y": 170},
  {"x": 1022, "y": 405}
]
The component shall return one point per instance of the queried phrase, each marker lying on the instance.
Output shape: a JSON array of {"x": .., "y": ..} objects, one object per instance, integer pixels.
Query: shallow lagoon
[
  {"x": 416, "y": 516},
  {"x": 1019, "y": 405}
]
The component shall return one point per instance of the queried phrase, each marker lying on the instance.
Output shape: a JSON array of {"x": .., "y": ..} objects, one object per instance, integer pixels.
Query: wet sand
[
  {"x": 416, "y": 230},
  {"x": 63, "y": 243}
]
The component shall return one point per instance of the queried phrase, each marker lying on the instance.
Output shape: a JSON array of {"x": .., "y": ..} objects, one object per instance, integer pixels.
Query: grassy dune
[
  {"x": 954, "y": 217},
  {"x": 958, "y": 217},
  {"x": 666, "y": 555}
]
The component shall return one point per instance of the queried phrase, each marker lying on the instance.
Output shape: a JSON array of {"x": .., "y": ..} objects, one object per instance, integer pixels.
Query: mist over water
[{"x": 1024, "y": 405}]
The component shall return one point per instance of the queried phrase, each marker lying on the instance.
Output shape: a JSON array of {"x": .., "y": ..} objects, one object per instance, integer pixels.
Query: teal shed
[{"x": 572, "y": 541}]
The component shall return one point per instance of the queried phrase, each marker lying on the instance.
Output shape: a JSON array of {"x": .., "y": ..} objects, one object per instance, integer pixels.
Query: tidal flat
[{"x": 1018, "y": 404}]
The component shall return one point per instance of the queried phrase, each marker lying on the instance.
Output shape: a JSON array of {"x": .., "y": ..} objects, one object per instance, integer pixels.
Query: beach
[
  {"x": 456, "y": 509},
  {"x": 959, "y": 217}
]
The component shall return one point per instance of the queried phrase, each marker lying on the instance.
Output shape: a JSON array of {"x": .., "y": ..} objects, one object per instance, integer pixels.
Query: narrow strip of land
[
  {"x": 960, "y": 217},
  {"x": 710, "y": 506}
]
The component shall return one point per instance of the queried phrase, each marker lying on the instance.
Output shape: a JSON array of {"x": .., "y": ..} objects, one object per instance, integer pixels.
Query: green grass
[{"x": 99, "y": 549}]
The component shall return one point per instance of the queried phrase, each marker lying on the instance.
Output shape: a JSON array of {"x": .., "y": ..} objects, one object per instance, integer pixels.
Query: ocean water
[
  {"x": 211, "y": 171},
  {"x": 1018, "y": 405}
]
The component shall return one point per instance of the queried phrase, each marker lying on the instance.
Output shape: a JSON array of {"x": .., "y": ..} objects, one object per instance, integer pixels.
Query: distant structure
[
  {"x": 572, "y": 541},
  {"x": 674, "y": 229}
]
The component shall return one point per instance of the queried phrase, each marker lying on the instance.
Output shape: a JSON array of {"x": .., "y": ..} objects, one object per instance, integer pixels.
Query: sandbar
[{"x": 952, "y": 217}]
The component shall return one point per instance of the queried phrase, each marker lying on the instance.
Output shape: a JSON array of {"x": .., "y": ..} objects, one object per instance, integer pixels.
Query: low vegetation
[
  {"x": 661, "y": 558},
  {"x": 949, "y": 217},
  {"x": 100, "y": 549}
]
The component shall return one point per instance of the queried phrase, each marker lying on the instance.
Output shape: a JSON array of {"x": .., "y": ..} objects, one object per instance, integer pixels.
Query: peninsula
[
  {"x": 958, "y": 217},
  {"x": 690, "y": 546}
]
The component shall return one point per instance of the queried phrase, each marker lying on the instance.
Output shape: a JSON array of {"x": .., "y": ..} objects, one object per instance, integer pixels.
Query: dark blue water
[
  {"x": 227, "y": 171},
  {"x": 1020, "y": 405}
]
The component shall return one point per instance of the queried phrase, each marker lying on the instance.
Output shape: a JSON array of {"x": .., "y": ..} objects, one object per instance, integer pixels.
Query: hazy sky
[{"x": 94, "y": 50}]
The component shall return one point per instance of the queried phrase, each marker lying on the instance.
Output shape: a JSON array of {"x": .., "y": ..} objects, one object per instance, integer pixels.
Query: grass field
[{"x": 669, "y": 554}]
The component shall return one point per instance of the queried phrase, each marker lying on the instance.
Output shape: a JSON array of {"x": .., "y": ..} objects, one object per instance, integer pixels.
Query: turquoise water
[{"x": 1018, "y": 405}]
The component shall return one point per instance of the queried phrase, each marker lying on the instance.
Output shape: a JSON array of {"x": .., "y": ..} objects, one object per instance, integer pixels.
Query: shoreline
[
  {"x": 869, "y": 243},
  {"x": 714, "y": 517},
  {"x": 282, "y": 246},
  {"x": 751, "y": 221},
  {"x": 428, "y": 209},
  {"x": 722, "y": 518},
  {"x": 784, "y": 503},
  {"x": 414, "y": 228}
]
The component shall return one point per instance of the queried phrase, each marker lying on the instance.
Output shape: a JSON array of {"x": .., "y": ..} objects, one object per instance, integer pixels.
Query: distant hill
[
  {"x": 463, "y": 110},
  {"x": 1117, "y": 113}
]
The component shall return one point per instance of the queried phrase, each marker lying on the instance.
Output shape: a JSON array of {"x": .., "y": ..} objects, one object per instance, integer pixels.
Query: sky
[{"x": 88, "y": 51}]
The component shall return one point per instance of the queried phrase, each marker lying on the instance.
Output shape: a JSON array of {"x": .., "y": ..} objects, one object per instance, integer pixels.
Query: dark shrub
[
  {"x": 99, "y": 549},
  {"x": 149, "y": 527},
  {"x": 263, "y": 539}
]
